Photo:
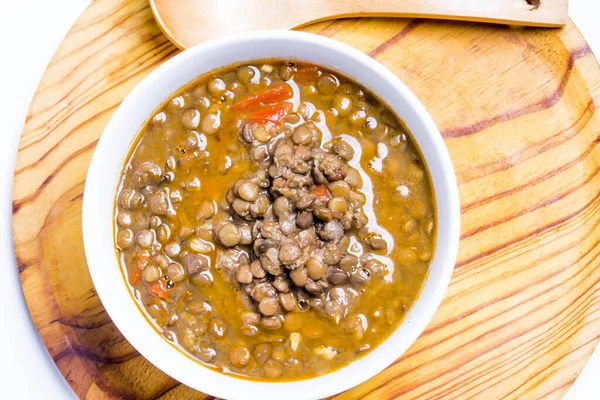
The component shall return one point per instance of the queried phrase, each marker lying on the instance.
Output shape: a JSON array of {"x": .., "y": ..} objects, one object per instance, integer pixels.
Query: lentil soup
[{"x": 275, "y": 220}]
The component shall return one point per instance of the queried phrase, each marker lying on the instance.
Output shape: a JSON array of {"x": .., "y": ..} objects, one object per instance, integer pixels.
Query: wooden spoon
[{"x": 189, "y": 22}]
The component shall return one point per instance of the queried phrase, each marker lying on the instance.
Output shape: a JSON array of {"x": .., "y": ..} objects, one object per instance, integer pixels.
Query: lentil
[{"x": 254, "y": 219}]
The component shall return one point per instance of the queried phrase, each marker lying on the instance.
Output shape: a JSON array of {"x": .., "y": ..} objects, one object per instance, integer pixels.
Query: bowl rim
[{"x": 175, "y": 363}]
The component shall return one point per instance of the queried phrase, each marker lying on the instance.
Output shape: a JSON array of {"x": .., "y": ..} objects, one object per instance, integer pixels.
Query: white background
[{"x": 31, "y": 30}]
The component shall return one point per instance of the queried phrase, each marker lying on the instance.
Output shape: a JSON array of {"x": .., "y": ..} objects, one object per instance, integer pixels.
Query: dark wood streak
[
  {"x": 535, "y": 181},
  {"x": 79, "y": 196},
  {"x": 116, "y": 82},
  {"x": 76, "y": 110},
  {"x": 593, "y": 208},
  {"x": 98, "y": 52},
  {"x": 543, "y": 104},
  {"x": 67, "y": 111},
  {"x": 536, "y": 342},
  {"x": 168, "y": 389},
  {"x": 71, "y": 110},
  {"x": 540, "y": 339},
  {"x": 84, "y": 326},
  {"x": 330, "y": 24},
  {"x": 488, "y": 349},
  {"x": 478, "y": 171},
  {"x": 22, "y": 265},
  {"x": 412, "y": 25},
  {"x": 546, "y": 227},
  {"x": 79, "y": 27},
  {"x": 566, "y": 385},
  {"x": 336, "y": 25},
  {"x": 559, "y": 341},
  {"x": 69, "y": 134},
  {"x": 172, "y": 385},
  {"x": 514, "y": 292},
  {"x": 581, "y": 220},
  {"x": 17, "y": 205},
  {"x": 563, "y": 356},
  {"x": 73, "y": 350},
  {"x": 164, "y": 392},
  {"x": 106, "y": 386},
  {"x": 549, "y": 201},
  {"x": 434, "y": 328}
]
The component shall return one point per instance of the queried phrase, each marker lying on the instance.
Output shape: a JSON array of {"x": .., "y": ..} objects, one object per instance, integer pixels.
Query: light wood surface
[
  {"x": 518, "y": 111},
  {"x": 189, "y": 22}
]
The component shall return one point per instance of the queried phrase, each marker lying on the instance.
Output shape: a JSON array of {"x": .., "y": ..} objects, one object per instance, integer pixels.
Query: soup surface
[{"x": 275, "y": 220}]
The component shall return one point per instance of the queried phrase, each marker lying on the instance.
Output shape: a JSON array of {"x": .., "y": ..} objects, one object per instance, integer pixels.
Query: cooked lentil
[{"x": 275, "y": 222}]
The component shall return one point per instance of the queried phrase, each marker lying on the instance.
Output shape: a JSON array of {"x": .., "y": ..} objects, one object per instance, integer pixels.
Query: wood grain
[
  {"x": 189, "y": 22},
  {"x": 518, "y": 111}
]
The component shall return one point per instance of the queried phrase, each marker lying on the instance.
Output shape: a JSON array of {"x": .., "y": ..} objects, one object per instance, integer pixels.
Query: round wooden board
[{"x": 517, "y": 109}]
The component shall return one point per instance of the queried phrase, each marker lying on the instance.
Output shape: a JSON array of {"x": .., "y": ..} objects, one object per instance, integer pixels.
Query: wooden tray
[{"x": 517, "y": 108}]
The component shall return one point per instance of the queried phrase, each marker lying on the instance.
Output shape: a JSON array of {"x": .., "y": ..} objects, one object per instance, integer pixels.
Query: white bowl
[{"x": 112, "y": 150}]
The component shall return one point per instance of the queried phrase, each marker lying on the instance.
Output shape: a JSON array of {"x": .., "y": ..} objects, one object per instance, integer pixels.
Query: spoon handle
[
  {"x": 189, "y": 22},
  {"x": 546, "y": 13}
]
